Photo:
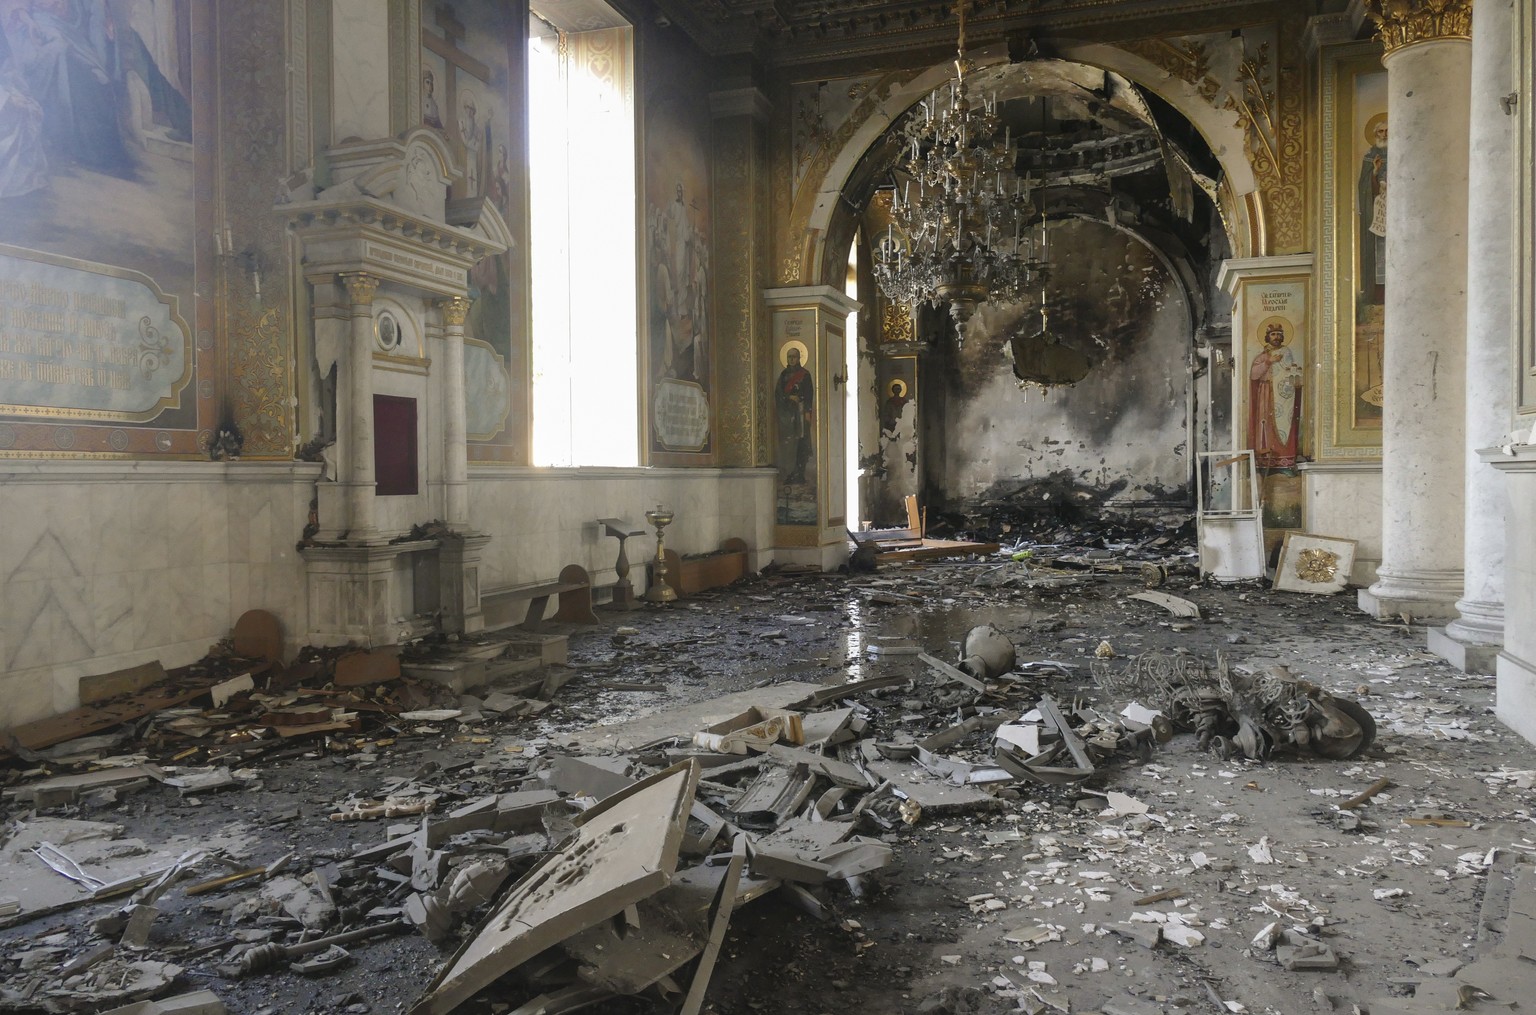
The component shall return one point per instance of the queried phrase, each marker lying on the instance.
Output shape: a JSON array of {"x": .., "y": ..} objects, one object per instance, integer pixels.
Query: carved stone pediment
[
  {"x": 387, "y": 212},
  {"x": 413, "y": 172}
]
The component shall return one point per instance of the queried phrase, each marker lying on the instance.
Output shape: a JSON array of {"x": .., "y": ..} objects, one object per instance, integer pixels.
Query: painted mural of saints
[
  {"x": 794, "y": 399},
  {"x": 1274, "y": 399},
  {"x": 1371, "y": 207},
  {"x": 431, "y": 116}
]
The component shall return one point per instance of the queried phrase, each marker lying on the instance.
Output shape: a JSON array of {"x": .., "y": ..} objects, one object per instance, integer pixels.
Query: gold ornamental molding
[
  {"x": 1267, "y": 95},
  {"x": 1405, "y": 22}
]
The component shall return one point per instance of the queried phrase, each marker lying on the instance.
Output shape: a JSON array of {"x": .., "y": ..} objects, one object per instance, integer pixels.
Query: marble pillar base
[
  {"x": 1422, "y": 595},
  {"x": 1467, "y": 656},
  {"x": 1515, "y": 695},
  {"x": 364, "y": 594},
  {"x": 459, "y": 558},
  {"x": 331, "y": 503}
]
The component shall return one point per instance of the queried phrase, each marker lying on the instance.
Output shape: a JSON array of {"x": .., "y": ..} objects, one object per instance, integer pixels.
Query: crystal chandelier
[{"x": 960, "y": 237}]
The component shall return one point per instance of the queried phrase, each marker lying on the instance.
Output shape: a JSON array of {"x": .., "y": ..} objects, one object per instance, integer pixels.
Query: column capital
[
  {"x": 454, "y": 310},
  {"x": 360, "y": 287},
  {"x": 1405, "y": 22}
]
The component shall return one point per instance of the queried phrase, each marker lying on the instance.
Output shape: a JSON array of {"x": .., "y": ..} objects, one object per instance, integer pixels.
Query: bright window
[{"x": 581, "y": 126}]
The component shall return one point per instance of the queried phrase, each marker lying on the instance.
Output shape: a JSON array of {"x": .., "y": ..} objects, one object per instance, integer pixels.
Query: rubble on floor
[{"x": 1061, "y": 819}]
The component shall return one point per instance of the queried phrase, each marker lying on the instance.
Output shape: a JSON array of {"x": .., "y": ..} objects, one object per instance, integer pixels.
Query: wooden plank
[
  {"x": 914, "y": 520},
  {"x": 130, "y": 681},
  {"x": 357, "y": 669},
  {"x": 932, "y": 549},
  {"x": 95, "y": 718},
  {"x": 720, "y": 918}
]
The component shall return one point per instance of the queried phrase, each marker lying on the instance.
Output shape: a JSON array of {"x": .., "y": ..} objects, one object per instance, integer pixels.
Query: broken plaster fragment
[
  {"x": 1308, "y": 956},
  {"x": 1184, "y": 937},
  {"x": 1266, "y": 938},
  {"x": 1260, "y": 852}
]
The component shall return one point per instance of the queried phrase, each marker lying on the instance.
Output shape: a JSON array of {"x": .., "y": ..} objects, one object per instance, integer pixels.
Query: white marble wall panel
[
  {"x": 359, "y": 70},
  {"x": 1343, "y": 499},
  {"x": 1515, "y": 687},
  {"x": 543, "y": 519},
  {"x": 111, "y": 564}
]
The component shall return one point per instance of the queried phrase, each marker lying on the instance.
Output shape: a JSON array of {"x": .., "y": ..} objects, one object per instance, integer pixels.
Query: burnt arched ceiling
[{"x": 1092, "y": 142}]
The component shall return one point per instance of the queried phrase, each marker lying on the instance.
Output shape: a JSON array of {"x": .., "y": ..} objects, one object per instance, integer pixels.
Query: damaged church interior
[{"x": 713, "y": 506}]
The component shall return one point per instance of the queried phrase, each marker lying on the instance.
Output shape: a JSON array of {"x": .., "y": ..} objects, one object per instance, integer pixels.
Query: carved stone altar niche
[{"x": 387, "y": 254}]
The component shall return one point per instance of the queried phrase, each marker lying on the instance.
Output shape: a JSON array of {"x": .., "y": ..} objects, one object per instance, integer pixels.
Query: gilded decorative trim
[
  {"x": 1288, "y": 201},
  {"x": 896, "y": 323},
  {"x": 1336, "y": 437},
  {"x": 1270, "y": 112},
  {"x": 1405, "y": 22},
  {"x": 405, "y": 55},
  {"x": 797, "y": 242},
  {"x": 734, "y": 291},
  {"x": 1185, "y": 59},
  {"x": 258, "y": 369}
]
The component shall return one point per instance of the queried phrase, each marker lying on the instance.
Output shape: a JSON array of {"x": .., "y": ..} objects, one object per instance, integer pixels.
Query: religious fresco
[
  {"x": 1270, "y": 344},
  {"x": 896, "y": 459},
  {"x": 1369, "y": 224},
  {"x": 466, "y": 94},
  {"x": 794, "y": 413},
  {"x": 680, "y": 338},
  {"x": 98, "y": 200}
]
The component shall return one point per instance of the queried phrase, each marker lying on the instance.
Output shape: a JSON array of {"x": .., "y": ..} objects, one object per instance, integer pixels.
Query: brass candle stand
[{"x": 660, "y": 591}]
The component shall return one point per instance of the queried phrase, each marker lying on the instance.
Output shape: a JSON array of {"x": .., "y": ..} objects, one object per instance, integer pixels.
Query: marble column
[
  {"x": 455, "y": 429},
  {"x": 1472, "y": 641},
  {"x": 359, "y": 478},
  {"x": 1428, "y": 58}
]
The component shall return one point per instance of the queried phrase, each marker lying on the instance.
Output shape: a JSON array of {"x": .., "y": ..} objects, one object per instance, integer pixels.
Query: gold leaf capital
[
  {"x": 455, "y": 309},
  {"x": 360, "y": 287},
  {"x": 1405, "y": 22}
]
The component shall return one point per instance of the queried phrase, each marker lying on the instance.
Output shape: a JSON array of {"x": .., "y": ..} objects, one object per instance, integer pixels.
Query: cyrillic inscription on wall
[
  {"x": 87, "y": 343},
  {"x": 680, "y": 415}
]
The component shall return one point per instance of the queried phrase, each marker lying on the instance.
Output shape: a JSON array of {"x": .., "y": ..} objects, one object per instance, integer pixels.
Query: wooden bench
[{"x": 573, "y": 587}]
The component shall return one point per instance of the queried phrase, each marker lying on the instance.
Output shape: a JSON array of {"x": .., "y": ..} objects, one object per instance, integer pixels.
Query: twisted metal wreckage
[{"x": 1245, "y": 714}]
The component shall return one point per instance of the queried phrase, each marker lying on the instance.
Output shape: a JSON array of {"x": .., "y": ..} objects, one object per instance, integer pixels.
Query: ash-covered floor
[{"x": 1172, "y": 880}]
